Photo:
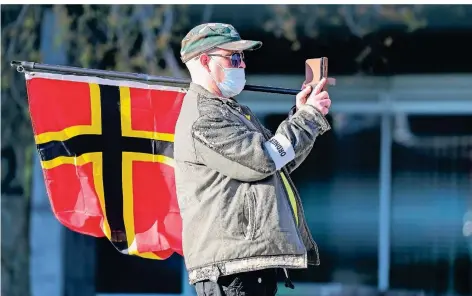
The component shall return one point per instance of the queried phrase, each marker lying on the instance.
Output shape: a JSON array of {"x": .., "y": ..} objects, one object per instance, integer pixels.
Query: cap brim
[{"x": 241, "y": 45}]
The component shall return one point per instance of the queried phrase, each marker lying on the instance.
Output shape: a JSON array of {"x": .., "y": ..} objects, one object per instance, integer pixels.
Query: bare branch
[
  {"x": 207, "y": 13},
  {"x": 169, "y": 56},
  {"x": 19, "y": 20},
  {"x": 18, "y": 37},
  {"x": 123, "y": 46},
  {"x": 172, "y": 63},
  {"x": 149, "y": 36},
  {"x": 355, "y": 29}
]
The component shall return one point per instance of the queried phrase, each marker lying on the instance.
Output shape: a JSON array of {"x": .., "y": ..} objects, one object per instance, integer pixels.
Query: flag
[{"x": 106, "y": 151}]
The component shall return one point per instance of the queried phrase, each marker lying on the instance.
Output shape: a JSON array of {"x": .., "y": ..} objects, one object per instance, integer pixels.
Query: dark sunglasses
[{"x": 236, "y": 58}]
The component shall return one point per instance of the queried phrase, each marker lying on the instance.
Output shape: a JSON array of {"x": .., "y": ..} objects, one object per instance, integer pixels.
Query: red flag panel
[
  {"x": 58, "y": 104},
  {"x": 73, "y": 197},
  {"x": 157, "y": 221},
  {"x": 155, "y": 110}
]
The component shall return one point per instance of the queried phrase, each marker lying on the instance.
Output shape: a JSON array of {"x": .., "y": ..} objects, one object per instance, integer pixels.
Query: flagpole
[{"x": 23, "y": 66}]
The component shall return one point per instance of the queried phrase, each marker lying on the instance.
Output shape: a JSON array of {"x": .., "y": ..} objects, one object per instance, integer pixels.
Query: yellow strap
[{"x": 291, "y": 196}]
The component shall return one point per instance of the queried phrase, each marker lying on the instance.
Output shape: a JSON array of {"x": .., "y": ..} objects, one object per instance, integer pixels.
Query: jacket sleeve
[
  {"x": 226, "y": 144},
  {"x": 300, "y": 158}
]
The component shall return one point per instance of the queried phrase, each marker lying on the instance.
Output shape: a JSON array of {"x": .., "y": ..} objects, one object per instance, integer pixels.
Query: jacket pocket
[{"x": 250, "y": 215}]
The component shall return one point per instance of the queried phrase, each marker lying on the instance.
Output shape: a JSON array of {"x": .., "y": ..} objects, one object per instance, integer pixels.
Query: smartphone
[{"x": 315, "y": 70}]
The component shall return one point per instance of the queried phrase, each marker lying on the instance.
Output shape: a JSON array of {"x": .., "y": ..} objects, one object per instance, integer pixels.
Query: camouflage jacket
[{"x": 231, "y": 180}]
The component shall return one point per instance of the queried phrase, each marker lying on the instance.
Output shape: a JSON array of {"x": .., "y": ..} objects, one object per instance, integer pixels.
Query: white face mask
[{"x": 234, "y": 82}]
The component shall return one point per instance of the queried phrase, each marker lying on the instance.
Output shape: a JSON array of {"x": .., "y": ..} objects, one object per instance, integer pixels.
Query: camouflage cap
[{"x": 205, "y": 37}]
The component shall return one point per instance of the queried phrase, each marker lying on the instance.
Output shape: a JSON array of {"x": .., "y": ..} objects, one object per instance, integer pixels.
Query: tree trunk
[{"x": 15, "y": 227}]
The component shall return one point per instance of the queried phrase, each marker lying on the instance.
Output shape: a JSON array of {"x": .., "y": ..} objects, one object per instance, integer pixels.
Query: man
[{"x": 242, "y": 216}]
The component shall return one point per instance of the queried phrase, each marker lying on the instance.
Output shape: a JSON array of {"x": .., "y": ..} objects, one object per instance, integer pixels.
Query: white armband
[{"x": 280, "y": 150}]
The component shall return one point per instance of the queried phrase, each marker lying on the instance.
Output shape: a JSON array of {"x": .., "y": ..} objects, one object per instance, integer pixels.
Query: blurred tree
[
  {"x": 362, "y": 21},
  {"x": 20, "y": 28},
  {"x": 131, "y": 38},
  {"x": 293, "y": 22}
]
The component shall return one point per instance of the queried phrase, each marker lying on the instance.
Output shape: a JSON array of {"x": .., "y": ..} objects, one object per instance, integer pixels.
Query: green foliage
[
  {"x": 292, "y": 21},
  {"x": 139, "y": 37},
  {"x": 19, "y": 42}
]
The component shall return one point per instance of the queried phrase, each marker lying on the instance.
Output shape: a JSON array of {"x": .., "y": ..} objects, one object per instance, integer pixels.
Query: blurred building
[{"x": 386, "y": 192}]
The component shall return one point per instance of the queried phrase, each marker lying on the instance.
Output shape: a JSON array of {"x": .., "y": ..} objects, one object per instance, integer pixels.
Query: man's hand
[{"x": 317, "y": 98}]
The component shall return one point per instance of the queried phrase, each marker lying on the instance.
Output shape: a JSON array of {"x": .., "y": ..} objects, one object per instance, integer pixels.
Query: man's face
[{"x": 217, "y": 59}]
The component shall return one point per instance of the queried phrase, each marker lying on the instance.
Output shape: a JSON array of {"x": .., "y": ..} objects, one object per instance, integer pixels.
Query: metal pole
[
  {"x": 47, "y": 262},
  {"x": 187, "y": 289},
  {"x": 23, "y": 66},
  {"x": 385, "y": 199}
]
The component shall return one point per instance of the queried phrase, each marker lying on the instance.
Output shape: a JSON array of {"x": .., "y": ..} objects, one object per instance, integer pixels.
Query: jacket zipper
[
  {"x": 301, "y": 214},
  {"x": 281, "y": 181}
]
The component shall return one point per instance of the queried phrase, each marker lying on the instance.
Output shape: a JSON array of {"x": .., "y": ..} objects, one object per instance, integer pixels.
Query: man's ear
[{"x": 204, "y": 61}]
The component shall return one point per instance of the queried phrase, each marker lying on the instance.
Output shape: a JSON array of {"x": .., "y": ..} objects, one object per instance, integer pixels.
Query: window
[
  {"x": 431, "y": 193},
  {"x": 339, "y": 188}
]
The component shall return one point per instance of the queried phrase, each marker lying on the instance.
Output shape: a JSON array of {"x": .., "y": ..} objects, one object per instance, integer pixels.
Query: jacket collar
[{"x": 197, "y": 88}]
